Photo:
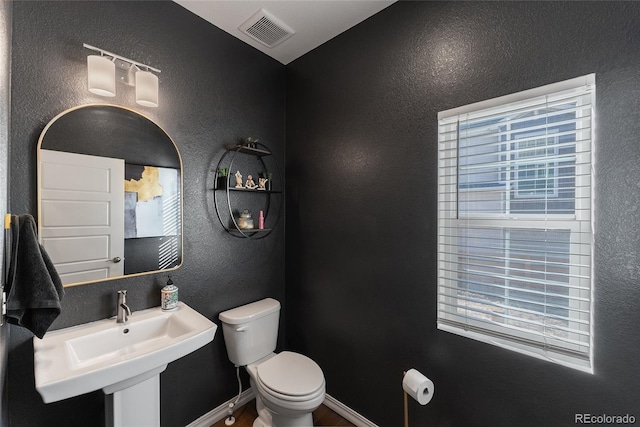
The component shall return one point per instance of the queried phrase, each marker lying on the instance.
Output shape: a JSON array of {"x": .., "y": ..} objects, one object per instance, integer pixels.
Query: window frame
[{"x": 541, "y": 346}]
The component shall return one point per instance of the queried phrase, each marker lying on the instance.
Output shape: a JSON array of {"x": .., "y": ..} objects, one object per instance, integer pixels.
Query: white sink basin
[{"x": 114, "y": 356}]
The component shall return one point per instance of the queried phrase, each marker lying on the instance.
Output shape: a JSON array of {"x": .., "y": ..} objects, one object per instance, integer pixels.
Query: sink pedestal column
[{"x": 135, "y": 405}]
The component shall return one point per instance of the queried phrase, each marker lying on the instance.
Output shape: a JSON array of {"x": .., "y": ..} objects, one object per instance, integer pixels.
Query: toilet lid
[{"x": 291, "y": 374}]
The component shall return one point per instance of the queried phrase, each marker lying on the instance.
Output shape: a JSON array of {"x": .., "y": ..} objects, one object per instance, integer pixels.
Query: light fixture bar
[{"x": 122, "y": 58}]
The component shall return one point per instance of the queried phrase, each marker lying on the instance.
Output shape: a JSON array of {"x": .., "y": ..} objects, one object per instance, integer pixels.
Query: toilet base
[
  {"x": 258, "y": 423},
  {"x": 305, "y": 420},
  {"x": 264, "y": 415},
  {"x": 268, "y": 418}
]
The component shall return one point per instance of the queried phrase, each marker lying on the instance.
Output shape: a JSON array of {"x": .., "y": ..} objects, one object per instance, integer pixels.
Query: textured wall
[
  {"x": 213, "y": 90},
  {"x": 5, "y": 85},
  {"x": 362, "y": 199}
]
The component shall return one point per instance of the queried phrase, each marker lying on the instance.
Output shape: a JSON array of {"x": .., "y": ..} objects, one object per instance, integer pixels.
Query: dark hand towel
[{"x": 35, "y": 289}]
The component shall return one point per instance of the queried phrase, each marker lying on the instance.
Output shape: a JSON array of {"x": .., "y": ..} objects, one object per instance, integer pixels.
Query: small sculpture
[
  {"x": 251, "y": 142},
  {"x": 250, "y": 184},
  {"x": 239, "y": 180},
  {"x": 267, "y": 180},
  {"x": 262, "y": 183}
]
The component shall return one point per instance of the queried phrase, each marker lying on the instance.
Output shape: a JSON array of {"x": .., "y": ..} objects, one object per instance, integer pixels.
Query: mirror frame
[{"x": 139, "y": 152}]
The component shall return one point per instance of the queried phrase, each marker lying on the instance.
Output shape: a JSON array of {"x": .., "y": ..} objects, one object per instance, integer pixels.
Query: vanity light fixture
[
  {"x": 102, "y": 70},
  {"x": 146, "y": 88},
  {"x": 102, "y": 75}
]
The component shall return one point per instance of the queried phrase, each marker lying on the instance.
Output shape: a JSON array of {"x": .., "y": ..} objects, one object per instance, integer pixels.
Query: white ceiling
[{"x": 314, "y": 21}]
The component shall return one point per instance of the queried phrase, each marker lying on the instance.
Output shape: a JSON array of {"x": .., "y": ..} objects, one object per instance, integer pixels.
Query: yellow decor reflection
[{"x": 147, "y": 187}]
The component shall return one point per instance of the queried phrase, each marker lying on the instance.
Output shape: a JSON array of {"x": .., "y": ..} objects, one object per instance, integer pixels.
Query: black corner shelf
[
  {"x": 248, "y": 232},
  {"x": 245, "y": 149},
  {"x": 249, "y": 190}
]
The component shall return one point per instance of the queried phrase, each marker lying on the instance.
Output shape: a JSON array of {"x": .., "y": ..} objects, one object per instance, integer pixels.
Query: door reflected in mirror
[{"x": 109, "y": 195}]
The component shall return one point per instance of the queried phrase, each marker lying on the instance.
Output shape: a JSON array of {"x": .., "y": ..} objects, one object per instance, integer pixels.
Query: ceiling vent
[{"x": 266, "y": 28}]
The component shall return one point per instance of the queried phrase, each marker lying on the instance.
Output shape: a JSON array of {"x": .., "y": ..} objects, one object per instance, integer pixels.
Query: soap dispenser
[{"x": 169, "y": 299}]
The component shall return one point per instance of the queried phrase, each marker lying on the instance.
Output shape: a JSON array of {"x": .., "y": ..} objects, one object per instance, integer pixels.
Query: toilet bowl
[
  {"x": 291, "y": 386},
  {"x": 288, "y": 386}
]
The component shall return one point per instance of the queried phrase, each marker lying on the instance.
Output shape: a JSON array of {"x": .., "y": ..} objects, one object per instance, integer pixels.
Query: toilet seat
[{"x": 290, "y": 376}]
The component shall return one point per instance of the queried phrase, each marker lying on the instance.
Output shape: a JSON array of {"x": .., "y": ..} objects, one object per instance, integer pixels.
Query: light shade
[
  {"x": 146, "y": 89},
  {"x": 102, "y": 75}
]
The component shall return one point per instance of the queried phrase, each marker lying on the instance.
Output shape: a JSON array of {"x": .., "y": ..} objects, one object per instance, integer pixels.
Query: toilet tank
[{"x": 251, "y": 331}]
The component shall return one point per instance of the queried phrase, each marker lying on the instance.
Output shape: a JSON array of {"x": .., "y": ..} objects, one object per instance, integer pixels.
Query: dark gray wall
[
  {"x": 361, "y": 206},
  {"x": 214, "y": 90},
  {"x": 5, "y": 114},
  {"x": 361, "y": 167}
]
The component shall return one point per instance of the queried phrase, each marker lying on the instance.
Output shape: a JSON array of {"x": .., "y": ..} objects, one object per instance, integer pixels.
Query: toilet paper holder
[{"x": 419, "y": 387}]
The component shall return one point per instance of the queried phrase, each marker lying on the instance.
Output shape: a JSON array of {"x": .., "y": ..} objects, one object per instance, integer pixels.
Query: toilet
[{"x": 288, "y": 386}]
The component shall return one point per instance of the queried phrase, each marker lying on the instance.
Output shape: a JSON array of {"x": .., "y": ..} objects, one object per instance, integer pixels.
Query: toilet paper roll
[{"x": 419, "y": 387}]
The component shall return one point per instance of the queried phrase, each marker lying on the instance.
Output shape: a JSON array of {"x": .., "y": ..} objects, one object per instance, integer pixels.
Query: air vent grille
[{"x": 266, "y": 29}]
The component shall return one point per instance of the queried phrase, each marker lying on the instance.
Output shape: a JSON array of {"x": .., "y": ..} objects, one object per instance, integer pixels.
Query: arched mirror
[{"x": 109, "y": 195}]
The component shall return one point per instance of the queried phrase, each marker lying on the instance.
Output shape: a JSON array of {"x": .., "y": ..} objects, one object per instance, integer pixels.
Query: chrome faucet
[{"x": 124, "y": 312}]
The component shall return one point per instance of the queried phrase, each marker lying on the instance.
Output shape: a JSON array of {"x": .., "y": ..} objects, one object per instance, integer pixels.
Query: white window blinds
[{"x": 515, "y": 221}]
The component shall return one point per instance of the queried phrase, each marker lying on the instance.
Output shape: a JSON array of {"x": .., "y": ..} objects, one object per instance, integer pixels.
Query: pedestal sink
[{"x": 124, "y": 360}]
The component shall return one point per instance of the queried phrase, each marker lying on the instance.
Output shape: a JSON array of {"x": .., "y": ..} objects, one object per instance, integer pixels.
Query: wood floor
[{"x": 322, "y": 417}]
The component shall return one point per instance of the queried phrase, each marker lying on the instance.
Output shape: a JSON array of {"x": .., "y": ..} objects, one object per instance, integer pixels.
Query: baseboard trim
[
  {"x": 220, "y": 412},
  {"x": 347, "y": 413},
  {"x": 336, "y": 406}
]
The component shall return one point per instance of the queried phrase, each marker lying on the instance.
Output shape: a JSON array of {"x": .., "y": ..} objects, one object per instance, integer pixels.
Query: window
[
  {"x": 515, "y": 222},
  {"x": 536, "y": 179}
]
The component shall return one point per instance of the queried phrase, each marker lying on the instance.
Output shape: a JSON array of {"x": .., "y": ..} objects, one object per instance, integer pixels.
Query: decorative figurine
[
  {"x": 250, "y": 184},
  {"x": 239, "y": 180},
  {"x": 267, "y": 180},
  {"x": 262, "y": 183},
  {"x": 251, "y": 142}
]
